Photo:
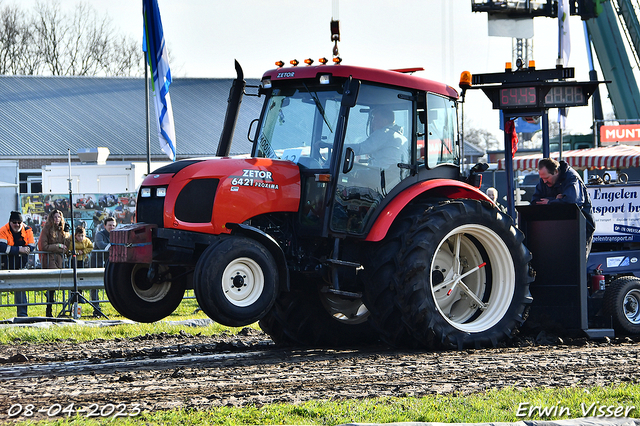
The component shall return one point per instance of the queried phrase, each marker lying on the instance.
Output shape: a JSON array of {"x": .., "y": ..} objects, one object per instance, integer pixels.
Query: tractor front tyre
[
  {"x": 134, "y": 296},
  {"x": 465, "y": 276},
  {"x": 622, "y": 302},
  {"x": 309, "y": 316},
  {"x": 236, "y": 281}
]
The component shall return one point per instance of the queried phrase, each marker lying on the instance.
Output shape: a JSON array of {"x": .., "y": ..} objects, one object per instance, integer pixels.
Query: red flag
[{"x": 510, "y": 129}]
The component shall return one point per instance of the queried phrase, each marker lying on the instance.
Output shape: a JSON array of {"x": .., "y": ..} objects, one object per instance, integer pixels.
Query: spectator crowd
[{"x": 57, "y": 247}]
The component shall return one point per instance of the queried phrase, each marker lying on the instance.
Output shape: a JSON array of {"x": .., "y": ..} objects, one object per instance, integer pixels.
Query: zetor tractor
[{"x": 323, "y": 235}]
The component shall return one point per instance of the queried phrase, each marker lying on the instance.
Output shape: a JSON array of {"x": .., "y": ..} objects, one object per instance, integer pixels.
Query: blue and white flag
[
  {"x": 564, "y": 35},
  {"x": 157, "y": 58},
  {"x": 564, "y": 48}
]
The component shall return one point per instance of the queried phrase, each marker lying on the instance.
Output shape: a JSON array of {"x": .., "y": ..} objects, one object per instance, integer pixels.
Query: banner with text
[
  {"x": 628, "y": 134},
  {"x": 616, "y": 211}
]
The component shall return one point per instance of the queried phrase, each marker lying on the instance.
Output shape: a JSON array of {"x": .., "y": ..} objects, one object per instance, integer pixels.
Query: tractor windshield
[{"x": 300, "y": 124}]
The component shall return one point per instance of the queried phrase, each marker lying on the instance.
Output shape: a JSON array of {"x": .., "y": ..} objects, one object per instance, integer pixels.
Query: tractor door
[{"x": 377, "y": 139}]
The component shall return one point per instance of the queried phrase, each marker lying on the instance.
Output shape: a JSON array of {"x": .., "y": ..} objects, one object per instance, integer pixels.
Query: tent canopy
[{"x": 610, "y": 157}]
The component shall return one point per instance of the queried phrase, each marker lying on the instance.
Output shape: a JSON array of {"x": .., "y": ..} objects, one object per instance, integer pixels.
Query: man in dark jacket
[
  {"x": 559, "y": 183},
  {"x": 102, "y": 241},
  {"x": 16, "y": 242}
]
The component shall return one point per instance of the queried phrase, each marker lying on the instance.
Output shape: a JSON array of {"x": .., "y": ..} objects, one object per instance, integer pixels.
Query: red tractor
[{"x": 350, "y": 221}]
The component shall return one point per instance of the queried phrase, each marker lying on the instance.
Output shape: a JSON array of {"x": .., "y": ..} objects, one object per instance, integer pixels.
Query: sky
[{"x": 443, "y": 36}]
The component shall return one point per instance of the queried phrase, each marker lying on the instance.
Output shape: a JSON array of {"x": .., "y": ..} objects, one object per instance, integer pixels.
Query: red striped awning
[{"x": 610, "y": 157}]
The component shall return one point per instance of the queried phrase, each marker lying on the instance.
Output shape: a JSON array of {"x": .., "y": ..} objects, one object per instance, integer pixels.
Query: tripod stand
[{"x": 75, "y": 297}]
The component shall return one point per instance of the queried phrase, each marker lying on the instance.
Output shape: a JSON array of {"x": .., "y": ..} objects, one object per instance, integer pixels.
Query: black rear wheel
[
  {"x": 309, "y": 315},
  {"x": 622, "y": 302},
  {"x": 461, "y": 276},
  {"x": 381, "y": 275}
]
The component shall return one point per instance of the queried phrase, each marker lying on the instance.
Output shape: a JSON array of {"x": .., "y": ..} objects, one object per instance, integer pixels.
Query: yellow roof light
[
  {"x": 279, "y": 64},
  {"x": 507, "y": 66},
  {"x": 337, "y": 60},
  {"x": 323, "y": 61},
  {"x": 532, "y": 65},
  {"x": 294, "y": 62},
  {"x": 465, "y": 80},
  {"x": 308, "y": 61}
]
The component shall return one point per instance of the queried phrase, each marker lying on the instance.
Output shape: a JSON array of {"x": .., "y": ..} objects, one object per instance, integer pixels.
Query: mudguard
[{"x": 434, "y": 188}]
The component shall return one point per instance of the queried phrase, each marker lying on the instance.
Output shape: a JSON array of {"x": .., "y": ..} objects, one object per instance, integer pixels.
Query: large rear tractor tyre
[
  {"x": 465, "y": 276},
  {"x": 236, "y": 281},
  {"x": 311, "y": 317},
  {"x": 380, "y": 277},
  {"x": 622, "y": 302},
  {"x": 135, "y": 297}
]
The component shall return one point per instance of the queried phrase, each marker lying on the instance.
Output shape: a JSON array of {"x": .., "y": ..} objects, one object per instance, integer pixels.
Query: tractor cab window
[
  {"x": 299, "y": 125},
  {"x": 376, "y": 142},
  {"x": 441, "y": 132}
]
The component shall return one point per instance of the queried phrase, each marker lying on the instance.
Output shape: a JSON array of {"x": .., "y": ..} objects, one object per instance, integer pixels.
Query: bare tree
[
  {"x": 50, "y": 41},
  {"x": 124, "y": 58},
  {"x": 481, "y": 137},
  {"x": 18, "y": 51}
]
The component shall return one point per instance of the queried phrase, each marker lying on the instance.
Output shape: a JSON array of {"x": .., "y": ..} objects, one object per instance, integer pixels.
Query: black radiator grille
[{"x": 149, "y": 209}]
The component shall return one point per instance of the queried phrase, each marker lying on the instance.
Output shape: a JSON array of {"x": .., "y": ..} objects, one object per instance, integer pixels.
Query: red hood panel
[{"x": 247, "y": 188}]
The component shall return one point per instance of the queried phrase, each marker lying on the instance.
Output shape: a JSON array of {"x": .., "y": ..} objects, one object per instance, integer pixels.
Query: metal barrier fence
[{"x": 36, "y": 281}]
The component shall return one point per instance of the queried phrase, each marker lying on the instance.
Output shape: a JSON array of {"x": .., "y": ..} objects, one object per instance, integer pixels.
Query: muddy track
[{"x": 162, "y": 372}]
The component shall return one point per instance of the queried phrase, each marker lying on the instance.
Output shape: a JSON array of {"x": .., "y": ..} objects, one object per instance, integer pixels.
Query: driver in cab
[{"x": 384, "y": 146}]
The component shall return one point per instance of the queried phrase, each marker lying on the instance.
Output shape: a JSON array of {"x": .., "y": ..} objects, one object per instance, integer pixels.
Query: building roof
[
  {"x": 473, "y": 150},
  {"x": 45, "y": 116}
]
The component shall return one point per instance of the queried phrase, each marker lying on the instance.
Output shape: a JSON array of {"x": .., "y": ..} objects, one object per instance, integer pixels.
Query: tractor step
[
  {"x": 344, "y": 263},
  {"x": 345, "y": 293}
]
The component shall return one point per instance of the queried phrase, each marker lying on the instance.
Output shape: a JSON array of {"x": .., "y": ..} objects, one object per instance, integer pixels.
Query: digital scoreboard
[
  {"x": 540, "y": 95},
  {"x": 518, "y": 97},
  {"x": 565, "y": 96}
]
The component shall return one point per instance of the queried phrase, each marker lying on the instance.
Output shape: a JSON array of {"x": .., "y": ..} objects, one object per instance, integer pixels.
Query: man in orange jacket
[{"x": 16, "y": 242}]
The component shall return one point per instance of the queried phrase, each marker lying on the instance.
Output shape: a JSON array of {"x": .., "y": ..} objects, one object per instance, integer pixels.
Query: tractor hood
[{"x": 181, "y": 195}]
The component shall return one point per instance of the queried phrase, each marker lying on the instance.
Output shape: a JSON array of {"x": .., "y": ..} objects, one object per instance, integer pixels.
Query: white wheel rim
[
  {"x": 351, "y": 311},
  {"x": 631, "y": 306},
  {"x": 471, "y": 300},
  {"x": 242, "y": 282},
  {"x": 155, "y": 292}
]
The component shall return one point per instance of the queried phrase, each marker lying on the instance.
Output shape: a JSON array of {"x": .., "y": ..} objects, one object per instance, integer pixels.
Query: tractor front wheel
[
  {"x": 236, "y": 281},
  {"x": 134, "y": 296}
]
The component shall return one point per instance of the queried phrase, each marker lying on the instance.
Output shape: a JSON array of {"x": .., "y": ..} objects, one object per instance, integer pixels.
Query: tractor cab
[{"x": 359, "y": 138}]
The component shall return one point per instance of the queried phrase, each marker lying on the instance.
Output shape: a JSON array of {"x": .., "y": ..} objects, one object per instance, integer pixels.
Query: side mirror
[
  {"x": 475, "y": 174},
  {"x": 252, "y": 140}
]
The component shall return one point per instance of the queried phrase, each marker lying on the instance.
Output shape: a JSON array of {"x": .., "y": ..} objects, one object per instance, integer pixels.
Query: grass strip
[
  {"x": 78, "y": 333},
  {"x": 504, "y": 405}
]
